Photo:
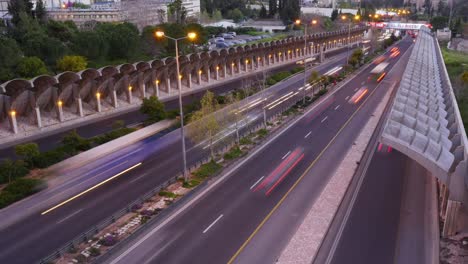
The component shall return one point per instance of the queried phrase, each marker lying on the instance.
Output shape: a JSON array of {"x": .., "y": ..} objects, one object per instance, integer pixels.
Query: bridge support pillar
[
  {"x": 37, "y": 111},
  {"x": 60, "y": 112},
  {"x": 79, "y": 106},
  {"x": 13, "y": 123},
  {"x": 143, "y": 91},
  {"x": 189, "y": 80},
  {"x": 98, "y": 104},
  {"x": 114, "y": 99},
  {"x": 156, "y": 85}
]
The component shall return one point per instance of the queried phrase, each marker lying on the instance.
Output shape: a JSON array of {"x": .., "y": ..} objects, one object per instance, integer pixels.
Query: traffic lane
[
  {"x": 370, "y": 232},
  {"x": 69, "y": 210},
  {"x": 94, "y": 128},
  {"x": 169, "y": 256}
]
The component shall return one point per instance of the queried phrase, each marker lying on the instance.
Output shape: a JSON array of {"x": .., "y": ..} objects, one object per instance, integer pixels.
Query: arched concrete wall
[{"x": 69, "y": 90}]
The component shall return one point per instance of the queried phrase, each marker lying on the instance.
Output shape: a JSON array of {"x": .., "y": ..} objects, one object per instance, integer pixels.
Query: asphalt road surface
[
  {"x": 388, "y": 223},
  {"x": 40, "y": 234},
  {"x": 250, "y": 216}
]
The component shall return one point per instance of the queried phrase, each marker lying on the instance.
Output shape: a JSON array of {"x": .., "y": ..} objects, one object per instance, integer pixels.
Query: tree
[
  {"x": 28, "y": 152},
  {"x": 334, "y": 14},
  {"x": 263, "y": 12},
  {"x": 91, "y": 45},
  {"x": 123, "y": 39},
  {"x": 177, "y": 11},
  {"x": 237, "y": 15},
  {"x": 439, "y": 22},
  {"x": 74, "y": 143},
  {"x": 216, "y": 16},
  {"x": 64, "y": 31},
  {"x": 30, "y": 67},
  {"x": 161, "y": 16},
  {"x": 427, "y": 7},
  {"x": 40, "y": 12},
  {"x": 16, "y": 7},
  {"x": 203, "y": 123},
  {"x": 10, "y": 170},
  {"x": 273, "y": 7},
  {"x": 290, "y": 10},
  {"x": 72, "y": 63},
  {"x": 11, "y": 55},
  {"x": 153, "y": 108}
]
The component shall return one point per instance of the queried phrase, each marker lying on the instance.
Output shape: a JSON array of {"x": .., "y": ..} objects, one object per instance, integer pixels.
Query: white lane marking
[
  {"x": 346, "y": 99},
  {"x": 139, "y": 177},
  {"x": 70, "y": 216},
  {"x": 308, "y": 134},
  {"x": 363, "y": 82},
  {"x": 212, "y": 224},
  {"x": 323, "y": 120},
  {"x": 338, "y": 106},
  {"x": 251, "y": 187},
  {"x": 285, "y": 155},
  {"x": 137, "y": 243},
  {"x": 356, "y": 89}
]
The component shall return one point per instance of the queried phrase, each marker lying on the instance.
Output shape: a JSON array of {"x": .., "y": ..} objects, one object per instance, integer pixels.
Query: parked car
[
  {"x": 228, "y": 36},
  {"x": 218, "y": 40},
  {"x": 222, "y": 45},
  {"x": 241, "y": 41},
  {"x": 233, "y": 34}
]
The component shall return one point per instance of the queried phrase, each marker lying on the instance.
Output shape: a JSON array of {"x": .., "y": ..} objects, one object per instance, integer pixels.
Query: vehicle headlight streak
[{"x": 282, "y": 101}]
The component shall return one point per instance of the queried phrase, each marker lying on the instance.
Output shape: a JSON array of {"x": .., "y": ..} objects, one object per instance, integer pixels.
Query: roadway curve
[
  {"x": 241, "y": 222},
  {"x": 40, "y": 234}
]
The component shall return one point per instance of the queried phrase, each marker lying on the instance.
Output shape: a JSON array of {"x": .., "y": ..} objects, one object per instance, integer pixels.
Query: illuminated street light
[
  {"x": 13, "y": 113},
  {"x": 191, "y": 36}
]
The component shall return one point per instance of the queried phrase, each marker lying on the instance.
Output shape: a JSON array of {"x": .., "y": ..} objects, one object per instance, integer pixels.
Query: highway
[
  {"x": 254, "y": 210},
  {"x": 40, "y": 234},
  {"x": 97, "y": 127}
]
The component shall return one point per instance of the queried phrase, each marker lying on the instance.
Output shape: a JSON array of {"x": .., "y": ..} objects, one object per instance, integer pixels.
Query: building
[
  {"x": 3, "y": 8},
  {"x": 193, "y": 8},
  {"x": 419, "y": 4},
  {"x": 142, "y": 13}
]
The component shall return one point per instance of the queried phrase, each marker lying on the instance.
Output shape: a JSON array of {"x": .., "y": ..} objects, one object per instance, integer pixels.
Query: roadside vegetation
[{"x": 457, "y": 68}]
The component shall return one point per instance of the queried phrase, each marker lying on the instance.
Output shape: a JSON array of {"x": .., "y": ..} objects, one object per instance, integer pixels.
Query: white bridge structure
[
  {"x": 398, "y": 25},
  {"x": 425, "y": 124}
]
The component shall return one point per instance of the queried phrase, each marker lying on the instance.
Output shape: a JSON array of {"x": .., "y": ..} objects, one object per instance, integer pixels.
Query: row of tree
[{"x": 33, "y": 45}]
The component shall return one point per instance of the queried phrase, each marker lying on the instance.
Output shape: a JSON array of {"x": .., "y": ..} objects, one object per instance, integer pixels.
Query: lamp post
[
  {"x": 190, "y": 36},
  {"x": 298, "y": 22},
  {"x": 356, "y": 17}
]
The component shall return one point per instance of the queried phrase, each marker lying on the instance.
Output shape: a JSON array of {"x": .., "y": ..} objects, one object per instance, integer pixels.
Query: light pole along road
[
  {"x": 242, "y": 220},
  {"x": 190, "y": 36},
  {"x": 306, "y": 61}
]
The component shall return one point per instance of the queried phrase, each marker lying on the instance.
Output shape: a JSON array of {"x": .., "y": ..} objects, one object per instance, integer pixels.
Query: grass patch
[
  {"x": 207, "y": 169},
  {"x": 191, "y": 183},
  {"x": 233, "y": 153},
  {"x": 167, "y": 194},
  {"x": 19, "y": 189}
]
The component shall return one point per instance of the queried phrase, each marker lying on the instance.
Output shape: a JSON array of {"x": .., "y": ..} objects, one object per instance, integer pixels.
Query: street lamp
[
  {"x": 356, "y": 17},
  {"x": 191, "y": 36},
  {"x": 298, "y": 22}
]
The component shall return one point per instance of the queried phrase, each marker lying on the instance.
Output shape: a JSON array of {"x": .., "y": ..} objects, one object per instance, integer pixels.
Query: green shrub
[
  {"x": 191, "y": 183},
  {"x": 245, "y": 141},
  {"x": 322, "y": 92},
  {"x": 98, "y": 140},
  {"x": 281, "y": 76},
  {"x": 11, "y": 170},
  {"x": 296, "y": 70},
  {"x": 28, "y": 152},
  {"x": 207, "y": 169},
  {"x": 233, "y": 153},
  {"x": 262, "y": 133},
  {"x": 167, "y": 194},
  {"x": 270, "y": 81},
  {"x": 94, "y": 252},
  {"x": 18, "y": 189},
  {"x": 50, "y": 157}
]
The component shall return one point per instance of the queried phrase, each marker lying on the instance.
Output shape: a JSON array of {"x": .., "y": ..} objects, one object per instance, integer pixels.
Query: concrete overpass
[
  {"x": 425, "y": 124},
  {"x": 71, "y": 95}
]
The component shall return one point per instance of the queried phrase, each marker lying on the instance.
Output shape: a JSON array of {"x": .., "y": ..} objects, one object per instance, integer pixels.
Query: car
[
  {"x": 220, "y": 35},
  {"x": 228, "y": 36},
  {"x": 222, "y": 45},
  {"x": 234, "y": 34},
  {"x": 241, "y": 41},
  {"x": 218, "y": 40}
]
